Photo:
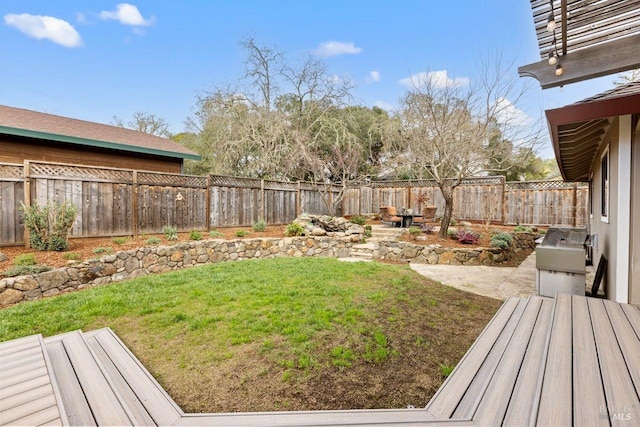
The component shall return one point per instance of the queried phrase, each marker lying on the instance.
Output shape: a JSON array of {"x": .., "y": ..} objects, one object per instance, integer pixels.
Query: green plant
[
  {"x": 25, "y": 259},
  {"x": 101, "y": 250},
  {"x": 452, "y": 233},
  {"x": 342, "y": 356},
  {"x": 170, "y": 233},
  {"x": 453, "y": 222},
  {"x": 358, "y": 219},
  {"x": 22, "y": 270},
  {"x": 242, "y": 233},
  {"x": 446, "y": 370},
  {"x": 195, "y": 235},
  {"x": 215, "y": 234},
  {"x": 259, "y": 226},
  {"x": 120, "y": 240},
  {"x": 153, "y": 241},
  {"x": 414, "y": 232},
  {"x": 72, "y": 256},
  {"x": 501, "y": 240},
  {"x": 294, "y": 229},
  {"x": 522, "y": 229},
  {"x": 468, "y": 237},
  {"x": 49, "y": 225},
  {"x": 367, "y": 231}
]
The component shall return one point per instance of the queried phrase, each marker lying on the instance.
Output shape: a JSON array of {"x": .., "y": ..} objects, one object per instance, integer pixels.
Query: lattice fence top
[
  {"x": 171, "y": 180},
  {"x": 542, "y": 185},
  {"x": 488, "y": 180},
  {"x": 233, "y": 181},
  {"x": 9, "y": 171},
  {"x": 280, "y": 185},
  {"x": 46, "y": 170}
]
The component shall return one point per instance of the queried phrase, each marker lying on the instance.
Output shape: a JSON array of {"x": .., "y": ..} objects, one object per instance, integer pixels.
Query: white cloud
[
  {"x": 384, "y": 105},
  {"x": 45, "y": 27},
  {"x": 127, "y": 14},
  {"x": 333, "y": 48},
  {"x": 438, "y": 79},
  {"x": 507, "y": 113},
  {"x": 373, "y": 76},
  {"x": 335, "y": 79}
]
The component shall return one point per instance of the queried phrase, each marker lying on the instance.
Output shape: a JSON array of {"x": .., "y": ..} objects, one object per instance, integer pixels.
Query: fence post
[
  {"x": 504, "y": 200},
  {"x": 575, "y": 204},
  {"x": 261, "y": 207},
  {"x": 134, "y": 205},
  {"x": 207, "y": 200},
  {"x": 298, "y": 199},
  {"x": 26, "y": 181}
]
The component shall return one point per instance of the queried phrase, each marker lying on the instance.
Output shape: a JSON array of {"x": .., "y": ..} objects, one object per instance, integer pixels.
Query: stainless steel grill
[{"x": 560, "y": 262}]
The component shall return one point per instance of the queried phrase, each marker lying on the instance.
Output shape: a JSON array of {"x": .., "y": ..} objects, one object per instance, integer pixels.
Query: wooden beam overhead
[{"x": 596, "y": 61}]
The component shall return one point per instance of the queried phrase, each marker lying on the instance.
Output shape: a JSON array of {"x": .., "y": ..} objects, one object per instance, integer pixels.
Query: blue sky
[{"x": 93, "y": 60}]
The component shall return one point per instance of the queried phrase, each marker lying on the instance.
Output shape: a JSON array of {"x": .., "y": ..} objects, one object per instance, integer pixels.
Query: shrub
[
  {"x": 497, "y": 243},
  {"x": 414, "y": 231},
  {"x": 153, "y": 241},
  {"x": 215, "y": 234},
  {"x": 294, "y": 229},
  {"x": 195, "y": 235},
  {"x": 242, "y": 233},
  {"x": 367, "y": 231},
  {"x": 452, "y": 233},
  {"x": 101, "y": 250},
  {"x": 522, "y": 229},
  {"x": 49, "y": 225},
  {"x": 170, "y": 233},
  {"x": 358, "y": 219},
  {"x": 120, "y": 240},
  {"x": 503, "y": 236},
  {"x": 72, "y": 256},
  {"x": 259, "y": 226},
  {"x": 21, "y": 270},
  {"x": 25, "y": 259},
  {"x": 453, "y": 222},
  {"x": 467, "y": 237}
]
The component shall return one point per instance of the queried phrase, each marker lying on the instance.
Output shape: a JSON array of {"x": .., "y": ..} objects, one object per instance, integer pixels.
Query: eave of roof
[
  {"x": 577, "y": 130},
  {"x": 94, "y": 143}
]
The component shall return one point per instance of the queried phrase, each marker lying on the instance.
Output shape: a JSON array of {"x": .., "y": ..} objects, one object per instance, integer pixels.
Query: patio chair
[
  {"x": 597, "y": 280},
  {"x": 389, "y": 216},
  {"x": 428, "y": 215}
]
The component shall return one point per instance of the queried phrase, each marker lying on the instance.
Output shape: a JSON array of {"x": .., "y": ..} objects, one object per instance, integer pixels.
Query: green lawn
[{"x": 277, "y": 334}]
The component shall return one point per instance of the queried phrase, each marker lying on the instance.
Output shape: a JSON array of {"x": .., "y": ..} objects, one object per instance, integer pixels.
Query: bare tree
[
  {"x": 627, "y": 77},
  {"x": 448, "y": 128},
  {"x": 145, "y": 122}
]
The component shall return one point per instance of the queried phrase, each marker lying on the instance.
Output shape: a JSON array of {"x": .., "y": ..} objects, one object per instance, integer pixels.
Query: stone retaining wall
[{"x": 148, "y": 260}]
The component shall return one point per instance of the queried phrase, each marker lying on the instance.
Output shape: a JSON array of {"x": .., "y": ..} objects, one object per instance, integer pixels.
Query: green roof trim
[{"x": 95, "y": 143}]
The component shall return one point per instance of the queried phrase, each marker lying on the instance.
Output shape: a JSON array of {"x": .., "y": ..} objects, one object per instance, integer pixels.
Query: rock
[
  {"x": 52, "y": 279},
  {"x": 464, "y": 224},
  {"x": 3, "y": 257},
  {"x": 318, "y": 231},
  {"x": 26, "y": 283},
  {"x": 10, "y": 296}
]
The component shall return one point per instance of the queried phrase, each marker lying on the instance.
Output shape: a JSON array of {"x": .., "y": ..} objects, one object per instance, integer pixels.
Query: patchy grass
[{"x": 278, "y": 334}]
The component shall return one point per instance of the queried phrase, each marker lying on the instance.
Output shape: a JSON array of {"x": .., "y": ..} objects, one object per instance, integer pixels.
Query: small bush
[
  {"x": 22, "y": 270},
  {"x": 414, "y": 231},
  {"x": 72, "y": 256},
  {"x": 259, "y": 226},
  {"x": 452, "y": 233},
  {"x": 242, "y": 233},
  {"x": 367, "y": 231},
  {"x": 195, "y": 235},
  {"x": 522, "y": 229},
  {"x": 170, "y": 233},
  {"x": 49, "y": 225},
  {"x": 25, "y": 259},
  {"x": 503, "y": 236},
  {"x": 467, "y": 237},
  {"x": 497, "y": 243},
  {"x": 120, "y": 240},
  {"x": 153, "y": 241},
  {"x": 101, "y": 250},
  {"x": 453, "y": 222},
  {"x": 294, "y": 229},
  {"x": 358, "y": 219},
  {"x": 215, "y": 234}
]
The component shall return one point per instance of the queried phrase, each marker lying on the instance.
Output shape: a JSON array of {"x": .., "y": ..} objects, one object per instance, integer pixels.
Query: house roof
[
  {"x": 578, "y": 130},
  {"x": 33, "y": 124}
]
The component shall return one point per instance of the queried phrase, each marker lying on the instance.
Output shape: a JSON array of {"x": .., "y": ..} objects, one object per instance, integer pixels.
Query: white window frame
[{"x": 605, "y": 193}]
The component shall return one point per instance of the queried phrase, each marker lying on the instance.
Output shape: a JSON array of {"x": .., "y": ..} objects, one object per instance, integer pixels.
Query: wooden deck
[{"x": 568, "y": 361}]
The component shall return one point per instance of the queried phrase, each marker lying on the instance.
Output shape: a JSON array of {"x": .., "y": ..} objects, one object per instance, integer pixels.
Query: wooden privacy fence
[
  {"x": 115, "y": 202},
  {"x": 481, "y": 199}
]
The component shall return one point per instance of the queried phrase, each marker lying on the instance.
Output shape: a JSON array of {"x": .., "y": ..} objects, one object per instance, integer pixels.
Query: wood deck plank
[
  {"x": 446, "y": 399},
  {"x": 556, "y": 396},
  {"x": 469, "y": 402},
  {"x": 155, "y": 399},
  {"x": 24, "y": 386},
  {"x": 630, "y": 349},
  {"x": 525, "y": 399},
  {"x": 18, "y": 399},
  {"x": 140, "y": 414},
  {"x": 633, "y": 316},
  {"x": 23, "y": 356},
  {"x": 9, "y": 376},
  {"x": 18, "y": 344},
  {"x": 75, "y": 405},
  {"x": 31, "y": 406},
  {"x": 588, "y": 391},
  {"x": 24, "y": 376},
  {"x": 493, "y": 406},
  {"x": 47, "y": 416},
  {"x": 103, "y": 401},
  {"x": 620, "y": 392}
]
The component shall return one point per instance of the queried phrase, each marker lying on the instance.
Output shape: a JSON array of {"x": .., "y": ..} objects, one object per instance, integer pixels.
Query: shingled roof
[{"x": 33, "y": 124}]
